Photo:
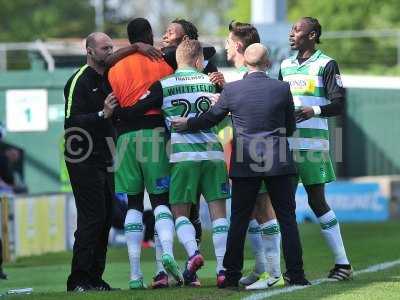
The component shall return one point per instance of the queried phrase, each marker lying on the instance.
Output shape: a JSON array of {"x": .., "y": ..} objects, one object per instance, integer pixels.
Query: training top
[{"x": 86, "y": 133}]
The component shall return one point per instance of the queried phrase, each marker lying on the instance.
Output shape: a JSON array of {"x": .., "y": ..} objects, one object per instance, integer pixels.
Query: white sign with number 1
[{"x": 26, "y": 110}]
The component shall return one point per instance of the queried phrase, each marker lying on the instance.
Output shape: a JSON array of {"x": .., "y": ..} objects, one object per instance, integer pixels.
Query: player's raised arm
[{"x": 143, "y": 48}]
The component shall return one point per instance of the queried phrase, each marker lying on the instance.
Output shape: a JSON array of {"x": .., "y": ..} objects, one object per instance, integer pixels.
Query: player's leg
[
  {"x": 195, "y": 219},
  {"x": 183, "y": 193},
  {"x": 256, "y": 245},
  {"x": 156, "y": 174},
  {"x": 315, "y": 170},
  {"x": 215, "y": 188},
  {"x": 271, "y": 243},
  {"x": 271, "y": 234},
  {"x": 129, "y": 180},
  {"x": 160, "y": 280}
]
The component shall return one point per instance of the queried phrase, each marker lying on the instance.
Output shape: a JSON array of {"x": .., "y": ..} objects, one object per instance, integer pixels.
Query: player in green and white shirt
[
  {"x": 318, "y": 93},
  {"x": 263, "y": 232},
  {"x": 197, "y": 159}
]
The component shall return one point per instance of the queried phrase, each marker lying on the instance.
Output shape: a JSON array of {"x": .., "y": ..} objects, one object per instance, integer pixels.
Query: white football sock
[
  {"x": 186, "y": 235},
  {"x": 271, "y": 236},
  {"x": 256, "y": 243},
  {"x": 220, "y": 234},
  {"x": 134, "y": 236},
  {"x": 159, "y": 253},
  {"x": 164, "y": 225},
  {"x": 331, "y": 231}
]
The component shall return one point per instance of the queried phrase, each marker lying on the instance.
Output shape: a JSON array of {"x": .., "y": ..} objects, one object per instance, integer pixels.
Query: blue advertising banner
[{"x": 351, "y": 202}]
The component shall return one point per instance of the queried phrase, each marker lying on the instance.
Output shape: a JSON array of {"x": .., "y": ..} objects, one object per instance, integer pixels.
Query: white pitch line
[{"x": 370, "y": 269}]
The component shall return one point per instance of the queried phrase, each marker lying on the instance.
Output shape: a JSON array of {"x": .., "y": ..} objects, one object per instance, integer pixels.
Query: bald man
[
  {"x": 262, "y": 113},
  {"x": 87, "y": 124},
  {"x": 256, "y": 57}
]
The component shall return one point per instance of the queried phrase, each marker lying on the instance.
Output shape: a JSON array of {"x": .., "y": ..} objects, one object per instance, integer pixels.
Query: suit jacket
[{"x": 262, "y": 112}]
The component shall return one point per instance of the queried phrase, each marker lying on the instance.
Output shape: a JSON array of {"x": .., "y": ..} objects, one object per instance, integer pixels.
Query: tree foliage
[
  {"x": 344, "y": 15},
  {"x": 23, "y": 20},
  {"x": 240, "y": 10}
]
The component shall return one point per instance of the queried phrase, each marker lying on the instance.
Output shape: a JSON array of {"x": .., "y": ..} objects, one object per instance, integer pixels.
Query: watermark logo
[{"x": 75, "y": 137}]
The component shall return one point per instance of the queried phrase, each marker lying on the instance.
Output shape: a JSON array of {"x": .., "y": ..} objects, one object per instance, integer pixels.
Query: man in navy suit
[{"x": 262, "y": 112}]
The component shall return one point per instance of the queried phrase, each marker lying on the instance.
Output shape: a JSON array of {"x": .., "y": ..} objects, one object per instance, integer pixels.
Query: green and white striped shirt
[
  {"x": 307, "y": 87},
  {"x": 187, "y": 93}
]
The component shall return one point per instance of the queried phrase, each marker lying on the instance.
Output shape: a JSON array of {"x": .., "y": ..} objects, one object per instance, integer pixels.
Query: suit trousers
[
  {"x": 244, "y": 193},
  {"x": 93, "y": 188}
]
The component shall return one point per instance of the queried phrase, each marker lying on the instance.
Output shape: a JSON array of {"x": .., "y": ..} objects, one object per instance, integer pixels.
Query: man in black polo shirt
[{"x": 87, "y": 128}]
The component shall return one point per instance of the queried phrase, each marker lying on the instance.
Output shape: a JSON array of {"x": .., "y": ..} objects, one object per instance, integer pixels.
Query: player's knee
[
  {"x": 182, "y": 210},
  {"x": 136, "y": 202},
  {"x": 159, "y": 199},
  {"x": 318, "y": 206},
  {"x": 217, "y": 209}
]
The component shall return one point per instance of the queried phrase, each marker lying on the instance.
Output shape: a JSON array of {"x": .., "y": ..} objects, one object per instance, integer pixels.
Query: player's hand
[
  {"x": 217, "y": 78},
  {"x": 110, "y": 104},
  {"x": 304, "y": 113},
  {"x": 179, "y": 123},
  {"x": 149, "y": 51},
  {"x": 214, "y": 98}
]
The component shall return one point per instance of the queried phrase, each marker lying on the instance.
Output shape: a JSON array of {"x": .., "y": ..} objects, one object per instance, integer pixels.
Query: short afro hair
[{"x": 188, "y": 27}]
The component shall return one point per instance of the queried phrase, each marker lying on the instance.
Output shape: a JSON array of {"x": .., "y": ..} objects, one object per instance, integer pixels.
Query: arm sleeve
[
  {"x": 290, "y": 120},
  {"x": 212, "y": 117},
  {"x": 78, "y": 115},
  {"x": 153, "y": 100},
  {"x": 334, "y": 91},
  {"x": 210, "y": 67},
  {"x": 208, "y": 51},
  {"x": 169, "y": 57}
]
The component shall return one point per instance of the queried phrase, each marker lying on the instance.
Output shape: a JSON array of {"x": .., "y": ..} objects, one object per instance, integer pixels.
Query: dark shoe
[
  {"x": 160, "y": 281},
  {"x": 341, "y": 272},
  {"x": 295, "y": 280},
  {"x": 103, "y": 286},
  {"x": 191, "y": 279},
  {"x": 221, "y": 278},
  {"x": 2, "y": 274},
  {"x": 80, "y": 288},
  {"x": 229, "y": 284}
]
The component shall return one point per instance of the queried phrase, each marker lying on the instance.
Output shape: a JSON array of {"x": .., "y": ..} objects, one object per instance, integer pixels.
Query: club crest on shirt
[{"x": 338, "y": 80}]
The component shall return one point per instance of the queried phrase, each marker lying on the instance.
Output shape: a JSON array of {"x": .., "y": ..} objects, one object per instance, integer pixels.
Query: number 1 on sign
[{"x": 28, "y": 114}]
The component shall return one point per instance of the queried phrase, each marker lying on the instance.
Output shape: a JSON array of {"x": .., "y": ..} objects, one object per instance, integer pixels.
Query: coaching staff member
[
  {"x": 262, "y": 112},
  {"x": 87, "y": 125}
]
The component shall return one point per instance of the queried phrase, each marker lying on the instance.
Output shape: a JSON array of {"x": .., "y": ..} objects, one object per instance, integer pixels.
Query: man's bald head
[
  {"x": 93, "y": 38},
  {"x": 256, "y": 57},
  {"x": 98, "y": 46}
]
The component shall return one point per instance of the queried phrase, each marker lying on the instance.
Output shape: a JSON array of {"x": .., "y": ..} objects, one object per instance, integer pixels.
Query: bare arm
[{"x": 145, "y": 49}]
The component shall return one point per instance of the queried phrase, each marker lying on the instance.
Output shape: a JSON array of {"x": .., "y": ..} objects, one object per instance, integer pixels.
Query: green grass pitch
[{"x": 367, "y": 244}]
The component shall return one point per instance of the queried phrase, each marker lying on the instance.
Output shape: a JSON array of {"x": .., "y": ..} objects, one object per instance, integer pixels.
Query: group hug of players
[{"x": 150, "y": 92}]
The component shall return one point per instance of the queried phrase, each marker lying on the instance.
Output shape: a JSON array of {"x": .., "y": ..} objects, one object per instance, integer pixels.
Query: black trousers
[
  {"x": 244, "y": 193},
  {"x": 93, "y": 188}
]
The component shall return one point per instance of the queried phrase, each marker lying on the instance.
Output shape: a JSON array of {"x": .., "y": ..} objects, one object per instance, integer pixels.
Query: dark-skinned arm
[{"x": 143, "y": 48}]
